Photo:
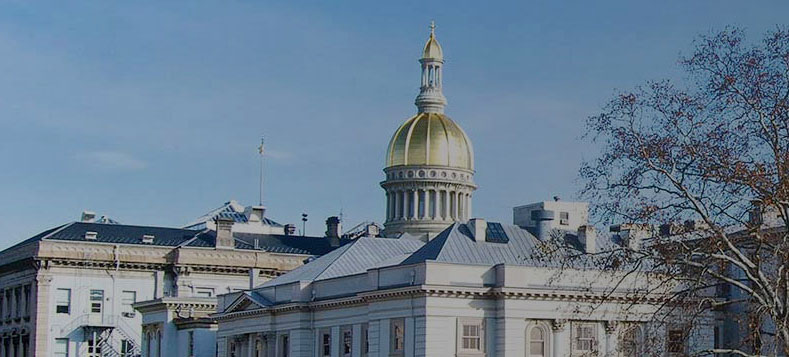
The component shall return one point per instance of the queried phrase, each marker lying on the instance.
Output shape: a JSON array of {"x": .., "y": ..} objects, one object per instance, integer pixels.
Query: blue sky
[{"x": 150, "y": 112}]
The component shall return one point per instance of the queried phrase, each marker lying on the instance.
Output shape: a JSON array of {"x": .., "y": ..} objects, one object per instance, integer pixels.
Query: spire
[{"x": 430, "y": 98}]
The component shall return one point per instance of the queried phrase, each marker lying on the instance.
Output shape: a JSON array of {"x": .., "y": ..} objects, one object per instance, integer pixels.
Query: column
[{"x": 251, "y": 345}]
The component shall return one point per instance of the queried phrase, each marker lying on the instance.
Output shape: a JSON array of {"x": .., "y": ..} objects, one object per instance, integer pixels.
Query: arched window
[
  {"x": 629, "y": 341},
  {"x": 537, "y": 341}
]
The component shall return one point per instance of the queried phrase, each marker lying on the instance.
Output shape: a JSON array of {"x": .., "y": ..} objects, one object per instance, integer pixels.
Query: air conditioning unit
[{"x": 129, "y": 314}]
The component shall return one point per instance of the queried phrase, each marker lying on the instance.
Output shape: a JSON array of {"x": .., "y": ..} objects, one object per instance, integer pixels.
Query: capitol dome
[
  {"x": 430, "y": 139},
  {"x": 429, "y": 161}
]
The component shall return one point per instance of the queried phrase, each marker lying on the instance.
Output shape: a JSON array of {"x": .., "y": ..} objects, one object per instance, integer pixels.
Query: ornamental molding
[{"x": 434, "y": 291}]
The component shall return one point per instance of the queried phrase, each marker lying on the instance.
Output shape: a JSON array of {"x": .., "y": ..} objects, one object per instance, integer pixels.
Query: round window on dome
[
  {"x": 421, "y": 173},
  {"x": 410, "y": 174}
]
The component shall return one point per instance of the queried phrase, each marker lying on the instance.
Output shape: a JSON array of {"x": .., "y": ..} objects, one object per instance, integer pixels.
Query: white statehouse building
[
  {"x": 72, "y": 289},
  {"x": 444, "y": 283}
]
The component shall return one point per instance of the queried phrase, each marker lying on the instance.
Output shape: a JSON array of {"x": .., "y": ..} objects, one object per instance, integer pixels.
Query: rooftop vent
[
  {"x": 148, "y": 238},
  {"x": 87, "y": 216},
  {"x": 91, "y": 235}
]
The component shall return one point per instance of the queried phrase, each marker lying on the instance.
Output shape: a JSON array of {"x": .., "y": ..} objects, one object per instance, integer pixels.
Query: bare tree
[{"x": 706, "y": 159}]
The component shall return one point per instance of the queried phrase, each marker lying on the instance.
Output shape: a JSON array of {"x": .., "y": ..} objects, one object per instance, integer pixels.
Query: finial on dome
[{"x": 432, "y": 28}]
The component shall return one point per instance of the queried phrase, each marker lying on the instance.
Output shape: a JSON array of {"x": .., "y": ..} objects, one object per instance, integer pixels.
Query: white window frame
[
  {"x": 98, "y": 302},
  {"x": 393, "y": 324},
  {"x": 594, "y": 339},
  {"x": 477, "y": 323},
  {"x": 546, "y": 335},
  {"x": 63, "y": 302},
  {"x": 324, "y": 343},
  {"x": 126, "y": 303},
  {"x": 57, "y": 353},
  {"x": 343, "y": 331}
]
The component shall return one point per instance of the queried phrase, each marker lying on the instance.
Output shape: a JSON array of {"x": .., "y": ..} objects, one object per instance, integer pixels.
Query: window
[
  {"x": 347, "y": 341},
  {"x": 325, "y": 343},
  {"x": 127, "y": 348},
  {"x": 365, "y": 340},
  {"x": 191, "y": 344},
  {"x": 397, "y": 336},
  {"x": 96, "y": 301},
  {"x": 148, "y": 343},
  {"x": 471, "y": 337},
  {"x": 61, "y": 347},
  {"x": 63, "y": 301},
  {"x": 629, "y": 341},
  {"x": 127, "y": 299},
  {"x": 284, "y": 346},
  {"x": 27, "y": 301},
  {"x": 676, "y": 341},
  {"x": 564, "y": 218},
  {"x": 94, "y": 349},
  {"x": 584, "y": 338},
  {"x": 204, "y": 292},
  {"x": 159, "y": 343},
  {"x": 537, "y": 342}
]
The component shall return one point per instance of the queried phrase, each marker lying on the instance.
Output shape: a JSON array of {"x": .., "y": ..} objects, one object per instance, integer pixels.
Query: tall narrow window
[
  {"x": 347, "y": 341},
  {"x": 61, "y": 347},
  {"x": 365, "y": 340},
  {"x": 584, "y": 338},
  {"x": 397, "y": 336},
  {"x": 63, "y": 301},
  {"x": 537, "y": 340},
  {"x": 284, "y": 346},
  {"x": 127, "y": 348},
  {"x": 94, "y": 349},
  {"x": 127, "y": 299},
  {"x": 629, "y": 341},
  {"x": 325, "y": 343},
  {"x": 96, "y": 301}
]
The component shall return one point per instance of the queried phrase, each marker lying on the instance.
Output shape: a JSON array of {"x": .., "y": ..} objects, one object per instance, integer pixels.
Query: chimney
[
  {"x": 224, "y": 233},
  {"x": 290, "y": 229},
  {"x": 333, "y": 227},
  {"x": 371, "y": 230},
  {"x": 588, "y": 236},
  {"x": 478, "y": 228},
  {"x": 334, "y": 230},
  {"x": 254, "y": 213},
  {"x": 88, "y": 216}
]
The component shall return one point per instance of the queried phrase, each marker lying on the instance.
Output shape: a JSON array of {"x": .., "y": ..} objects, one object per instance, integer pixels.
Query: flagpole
[{"x": 261, "y": 151}]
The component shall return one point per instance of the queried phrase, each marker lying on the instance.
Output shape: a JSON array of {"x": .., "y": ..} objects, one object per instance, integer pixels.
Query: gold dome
[
  {"x": 432, "y": 47},
  {"x": 430, "y": 139}
]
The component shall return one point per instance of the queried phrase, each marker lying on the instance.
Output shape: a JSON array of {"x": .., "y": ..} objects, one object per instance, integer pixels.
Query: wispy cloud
[{"x": 111, "y": 160}]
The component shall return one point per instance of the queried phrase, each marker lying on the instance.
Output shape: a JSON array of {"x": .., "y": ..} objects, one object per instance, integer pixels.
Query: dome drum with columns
[{"x": 430, "y": 161}]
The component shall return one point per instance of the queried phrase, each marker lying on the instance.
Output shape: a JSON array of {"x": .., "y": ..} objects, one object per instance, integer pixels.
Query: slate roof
[
  {"x": 353, "y": 258},
  {"x": 230, "y": 209},
  {"x": 177, "y": 237}
]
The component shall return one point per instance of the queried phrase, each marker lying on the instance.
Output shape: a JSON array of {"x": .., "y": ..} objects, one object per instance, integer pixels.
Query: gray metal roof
[{"x": 353, "y": 258}]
